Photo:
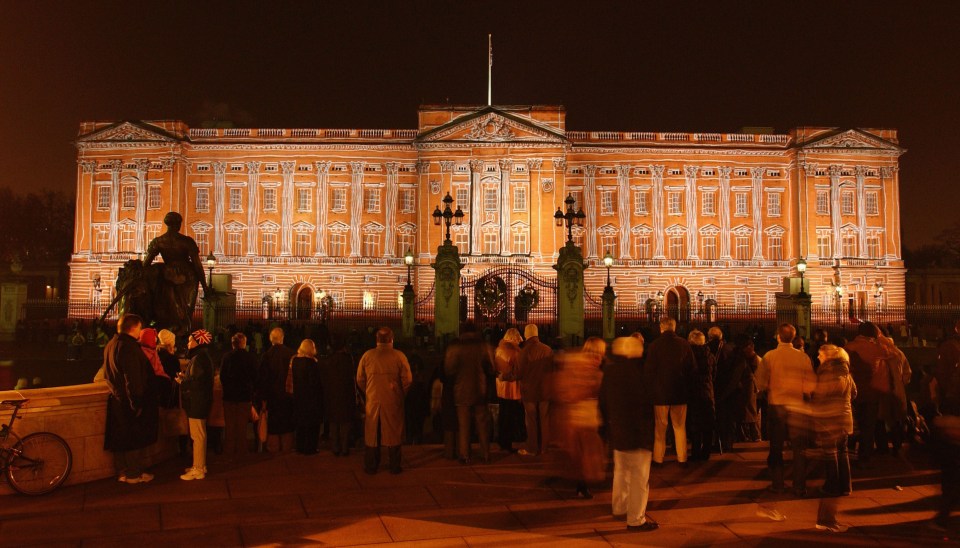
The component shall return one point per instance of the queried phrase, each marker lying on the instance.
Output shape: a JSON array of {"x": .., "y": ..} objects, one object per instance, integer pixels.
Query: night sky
[{"x": 637, "y": 66}]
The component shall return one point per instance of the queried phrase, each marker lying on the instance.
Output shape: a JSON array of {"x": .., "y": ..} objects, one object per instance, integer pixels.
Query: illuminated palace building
[{"x": 725, "y": 215}]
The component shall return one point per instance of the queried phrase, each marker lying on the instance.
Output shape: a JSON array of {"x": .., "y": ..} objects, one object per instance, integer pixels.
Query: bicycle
[{"x": 36, "y": 464}]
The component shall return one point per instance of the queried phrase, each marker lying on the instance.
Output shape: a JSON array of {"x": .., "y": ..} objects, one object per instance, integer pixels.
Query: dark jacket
[
  {"x": 700, "y": 407},
  {"x": 307, "y": 393},
  {"x": 625, "y": 405},
  {"x": 470, "y": 363},
  {"x": 272, "y": 389},
  {"x": 196, "y": 390},
  {"x": 133, "y": 415},
  {"x": 534, "y": 366},
  {"x": 338, "y": 374},
  {"x": 238, "y": 373},
  {"x": 868, "y": 365},
  {"x": 668, "y": 368},
  {"x": 947, "y": 374},
  {"x": 169, "y": 390}
]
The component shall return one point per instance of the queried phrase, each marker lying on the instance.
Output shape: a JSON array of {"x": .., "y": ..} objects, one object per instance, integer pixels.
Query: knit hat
[
  {"x": 201, "y": 336},
  {"x": 530, "y": 331}
]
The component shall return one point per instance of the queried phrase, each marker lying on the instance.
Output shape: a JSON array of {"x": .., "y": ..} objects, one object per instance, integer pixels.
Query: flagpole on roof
[{"x": 489, "y": 69}]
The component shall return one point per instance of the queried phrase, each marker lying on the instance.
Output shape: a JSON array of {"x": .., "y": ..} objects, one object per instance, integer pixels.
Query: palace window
[
  {"x": 871, "y": 204},
  {"x": 203, "y": 200},
  {"x": 773, "y": 204},
  {"x": 127, "y": 235},
  {"x": 338, "y": 244},
  {"x": 519, "y": 198},
  {"x": 303, "y": 200},
  {"x": 103, "y": 198},
  {"x": 774, "y": 247},
  {"x": 234, "y": 244},
  {"x": 674, "y": 203},
  {"x": 491, "y": 243},
  {"x": 824, "y": 245},
  {"x": 709, "y": 247},
  {"x": 520, "y": 246},
  {"x": 709, "y": 205},
  {"x": 677, "y": 252},
  {"x": 641, "y": 246},
  {"x": 371, "y": 244},
  {"x": 461, "y": 240},
  {"x": 128, "y": 196},
  {"x": 608, "y": 244},
  {"x": 152, "y": 231},
  {"x": 268, "y": 244},
  {"x": 640, "y": 202},
  {"x": 740, "y": 204},
  {"x": 846, "y": 202},
  {"x": 606, "y": 202},
  {"x": 823, "y": 202},
  {"x": 408, "y": 200},
  {"x": 462, "y": 197},
  {"x": 742, "y": 248},
  {"x": 372, "y": 200},
  {"x": 303, "y": 244},
  {"x": 101, "y": 242},
  {"x": 490, "y": 199},
  {"x": 236, "y": 200},
  {"x": 849, "y": 245},
  {"x": 153, "y": 197},
  {"x": 873, "y": 246},
  {"x": 741, "y": 301},
  {"x": 203, "y": 242},
  {"x": 578, "y": 238},
  {"x": 269, "y": 199},
  {"x": 339, "y": 200},
  {"x": 406, "y": 241}
]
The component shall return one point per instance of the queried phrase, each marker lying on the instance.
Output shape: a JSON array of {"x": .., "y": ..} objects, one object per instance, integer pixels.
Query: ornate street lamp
[
  {"x": 408, "y": 260},
  {"x": 571, "y": 217},
  {"x": 608, "y": 262},
  {"x": 447, "y": 215},
  {"x": 801, "y": 268},
  {"x": 211, "y": 262}
]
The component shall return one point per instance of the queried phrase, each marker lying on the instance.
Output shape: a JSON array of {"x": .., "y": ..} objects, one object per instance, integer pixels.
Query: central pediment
[
  {"x": 850, "y": 139},
  {"x": 129, "y": 131},
  {"x": 492, "y": 125}
]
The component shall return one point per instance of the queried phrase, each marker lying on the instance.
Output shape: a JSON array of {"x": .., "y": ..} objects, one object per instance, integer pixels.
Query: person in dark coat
[
  {"x": 133, "y": 417},
  {"x": 724, "y": 388},
  {"x": 167, "y": 352},
  {"x": 238, "y": 372},
  {"x": 700, "y": 411},
  {"x": 338, "y": 374},
  {"x": 669, "y": 368},
  {"x": 870, "y": 370},
  {"x": 628, "y": 421},
  {"x": 534, "y": 367},
  {"x": 307, "y": 397},
  {"x": 196, "y": 391},
  {"x": 470, "y": 363},
  {"x": 273, "y": 396}
]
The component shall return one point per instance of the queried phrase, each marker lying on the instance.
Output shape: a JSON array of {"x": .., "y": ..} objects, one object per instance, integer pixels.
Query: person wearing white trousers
[{"x": 631, "y": 485}]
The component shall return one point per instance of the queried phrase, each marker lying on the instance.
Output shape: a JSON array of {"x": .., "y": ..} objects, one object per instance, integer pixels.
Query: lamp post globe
[
  {"x": 801, "y": 268},
  {"x": 211, "y": 263},
  {"x": 608, "y": 262}
]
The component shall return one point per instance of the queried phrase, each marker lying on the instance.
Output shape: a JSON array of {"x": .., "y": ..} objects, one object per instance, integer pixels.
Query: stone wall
[{"x": 78, "y": 415}]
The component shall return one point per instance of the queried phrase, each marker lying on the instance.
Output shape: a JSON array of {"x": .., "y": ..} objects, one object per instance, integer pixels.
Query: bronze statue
[{"x": 163, "y": 294}]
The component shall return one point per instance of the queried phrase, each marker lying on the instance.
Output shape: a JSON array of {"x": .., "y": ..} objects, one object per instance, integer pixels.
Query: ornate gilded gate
[{"x": 509, "y": 295}]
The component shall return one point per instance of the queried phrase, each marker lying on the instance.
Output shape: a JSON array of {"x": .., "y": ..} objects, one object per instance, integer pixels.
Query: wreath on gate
[{"x": 491, "y": 296}]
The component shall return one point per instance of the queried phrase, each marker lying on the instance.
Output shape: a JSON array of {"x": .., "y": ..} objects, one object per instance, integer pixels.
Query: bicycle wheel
[{"x": 40, "y": 463}]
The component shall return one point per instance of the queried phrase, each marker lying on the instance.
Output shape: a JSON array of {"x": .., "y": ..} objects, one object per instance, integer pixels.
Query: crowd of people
[{"x": 697, "y": 394}]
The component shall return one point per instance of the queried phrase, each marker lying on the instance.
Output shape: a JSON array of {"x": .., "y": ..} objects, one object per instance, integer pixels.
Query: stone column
[
  {"x": 690, "y": 172},
  {"x": 356, "y": 206},
  {"x": 656, "y": 173},
  {"x": 862, "y": 210},
  {"x": 725, "y": 212},
  {"x": 590, "y": 208},
  {"x": 809, "y": 171},
  {"x": 219, "y": 198},
  {"x": 446, "y": 294},
  {"x": 570, "y": 267},
  {"x": 323, "y": 169},
  {"x": 143, "y": 166},
  {"x": 253, "y": 206},
  {"x": 390, "y": 207},
  {"x": 286, "y": 213},
  {"x": 623, "y": 207},
  {"x": 835, "y": 219},
  {"x": 757, "y": 176},
  {"x": 88, "y": 169},
  {"x": 476, "y": 205},
  {"x": 506, "y": 166},
  {"x": 114, "y": 166}
]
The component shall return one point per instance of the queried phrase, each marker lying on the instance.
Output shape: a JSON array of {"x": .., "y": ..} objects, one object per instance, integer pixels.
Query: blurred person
[
  {"x": 820, "y": 338},
  {"x": 305, "y": 386},
  {"x": 470, "y": 362},
  {"x": 238, "y": 371},
  {"x": 669, "y": 369},
  {"x": 787, "y": 376},
  {"x": 893, "y": 408},
  {"x": 576, "y": 389},
  {"x": 946, "y": 426},
  {"x": 701, "y": 415},
  {"x": 628, "y": 420},
  {"x": 832, "y": 410},
  {"x": 868, "y": 364},
  {"x": 800, "y": 344},
  {"x": 196, "y": 390},
  {"x": 510, "y": 427},
  {"x": 272, "y": 395},
  {"x": 534, "y": 367},
  {"x": 384, "y": 376},
  {"x": 338, "y": 374},
  {"x": 132, "y": 421}
]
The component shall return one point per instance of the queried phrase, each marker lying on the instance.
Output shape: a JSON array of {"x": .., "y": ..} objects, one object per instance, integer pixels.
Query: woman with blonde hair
[
  {"x": 575, "y": 396},
  {"x": 304, "y": 383},
  {"x": 510, "y": 420}
]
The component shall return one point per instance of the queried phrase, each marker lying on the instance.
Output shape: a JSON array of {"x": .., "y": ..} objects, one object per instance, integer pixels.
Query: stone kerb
[{"x": 78, "y": 415}]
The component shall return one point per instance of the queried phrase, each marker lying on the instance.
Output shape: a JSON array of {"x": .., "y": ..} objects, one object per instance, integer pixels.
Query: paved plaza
[{"x": 322, "y": 500}]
